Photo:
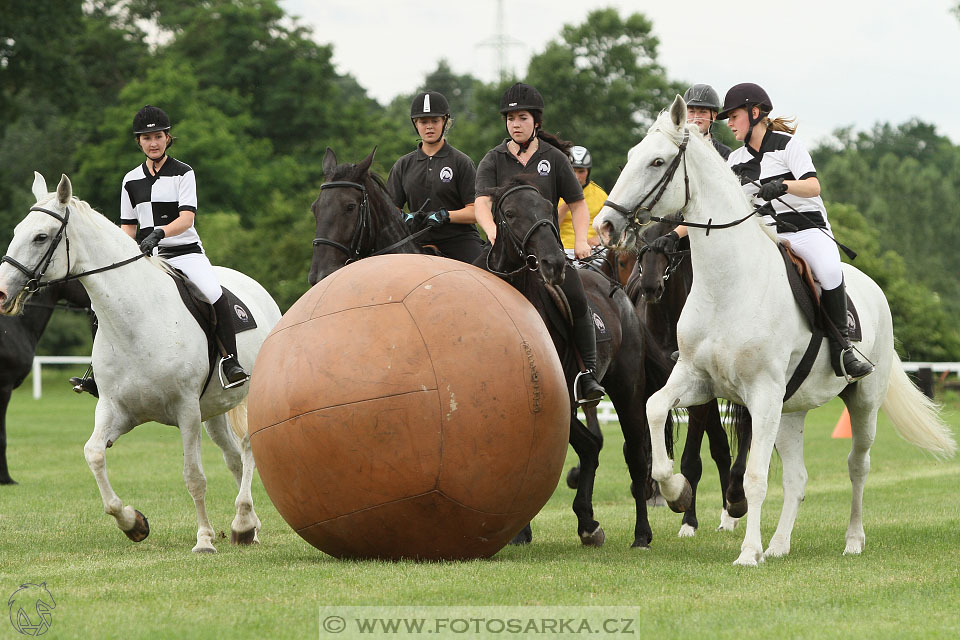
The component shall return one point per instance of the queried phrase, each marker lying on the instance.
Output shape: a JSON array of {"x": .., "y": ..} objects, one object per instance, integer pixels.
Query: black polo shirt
[
  {"x": 549, "y": 167},
  {"x": 447, "y": 178}
]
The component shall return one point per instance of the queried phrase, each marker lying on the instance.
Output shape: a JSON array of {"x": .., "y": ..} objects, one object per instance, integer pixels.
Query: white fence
[{"x": 605, "y": 410}]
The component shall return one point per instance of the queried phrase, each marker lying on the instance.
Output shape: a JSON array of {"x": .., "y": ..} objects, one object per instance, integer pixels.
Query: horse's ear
[
  {"x": 64, "y": 190},
  {"x": 329, "y": 163},
  {"x": 678, "y": 112},
  {"x": 364, "y": 165},
  {"x": 39, "y": 186}
]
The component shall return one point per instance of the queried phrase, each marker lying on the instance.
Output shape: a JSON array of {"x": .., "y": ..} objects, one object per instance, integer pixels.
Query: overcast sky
[{"x": 831, "y": 63}]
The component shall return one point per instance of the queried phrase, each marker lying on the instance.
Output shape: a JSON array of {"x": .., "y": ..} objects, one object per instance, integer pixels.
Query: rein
[
  {"x": 355, "y": 251},
  {"x": 33, "y": 283},
  {"x": 529, "y": 260}
]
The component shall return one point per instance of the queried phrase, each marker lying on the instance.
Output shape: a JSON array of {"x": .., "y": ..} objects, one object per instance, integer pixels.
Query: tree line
[{"x": 255, "y": 100}]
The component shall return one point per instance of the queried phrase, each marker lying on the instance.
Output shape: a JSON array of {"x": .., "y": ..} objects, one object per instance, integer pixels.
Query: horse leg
[
  {"x": 109, "y": 425},
  {"x": 193, "y": 477},
  {"x": 239, "y": 459},
  {"x": 720, "y": 452},
  {"x": 682, "y": 389},
  {"x": 766, "y": 420},
  {"x": 4, "y": 470},
  {"x": 692, "y": 468},
  {"x": 790, "y": 447},
  {"x": 587, "y": 447},
  {"x": 735, "y": 497},
  {"x": 863, "y": 431},
  {"x": 636, "y": 449},
  {"x": 593, "y": 425}
]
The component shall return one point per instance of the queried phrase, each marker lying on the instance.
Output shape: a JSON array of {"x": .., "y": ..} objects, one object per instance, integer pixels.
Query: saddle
[
  {"x": 806, "y": 292},
  {"x": 202, "y": 311}
]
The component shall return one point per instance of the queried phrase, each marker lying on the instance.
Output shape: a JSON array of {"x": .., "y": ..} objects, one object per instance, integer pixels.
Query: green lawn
[{"x": 53, "y": 530}]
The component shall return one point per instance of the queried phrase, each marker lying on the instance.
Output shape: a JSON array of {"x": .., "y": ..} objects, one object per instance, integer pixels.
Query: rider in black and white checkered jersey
[{"x": 158, "y": 203}]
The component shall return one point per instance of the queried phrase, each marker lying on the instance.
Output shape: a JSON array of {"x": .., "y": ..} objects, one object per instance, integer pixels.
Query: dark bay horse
[
  {"x": 356, "y": 219},
  {"x": 18, "y": 344},
  {"x": 659, "y": 286}
]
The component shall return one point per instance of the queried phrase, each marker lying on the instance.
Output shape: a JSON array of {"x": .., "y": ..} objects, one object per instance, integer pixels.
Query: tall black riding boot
[
  {"x": 586, "y": 389},
  {"x": 844, "y": 360},
  {"x": 231, "y": 373}
]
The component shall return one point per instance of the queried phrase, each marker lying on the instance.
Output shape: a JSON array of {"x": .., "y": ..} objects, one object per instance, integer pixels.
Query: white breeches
[
  {"x": 821, "y": 253},
  {"x": 200, "y": 272}
]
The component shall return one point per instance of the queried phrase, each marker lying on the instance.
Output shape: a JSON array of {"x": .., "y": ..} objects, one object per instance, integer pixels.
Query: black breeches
[{"x": 573, "y": 288}]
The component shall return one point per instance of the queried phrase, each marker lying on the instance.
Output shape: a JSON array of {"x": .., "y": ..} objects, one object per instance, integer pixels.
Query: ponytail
[{"x": 781, "y": 124}]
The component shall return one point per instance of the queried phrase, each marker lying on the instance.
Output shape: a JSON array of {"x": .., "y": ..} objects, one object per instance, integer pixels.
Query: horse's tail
[
  {"x": 238, "y": 419},
  {"x": 915, "y": 416}
]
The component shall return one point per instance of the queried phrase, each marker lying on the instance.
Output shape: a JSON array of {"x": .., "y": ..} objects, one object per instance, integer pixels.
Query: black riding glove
[
  {"x": 410, "y": 219},
  {"x": 148, "y": 244},
  {"x": 436, "y": 219},
  {"x": 666, "y": 243},
  {"x": 772, "y": 189}
]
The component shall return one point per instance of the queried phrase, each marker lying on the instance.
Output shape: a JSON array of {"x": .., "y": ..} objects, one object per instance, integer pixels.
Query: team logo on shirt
[
  {"x": 446, "y": 174},
  {"x": 543, "y": 167}
]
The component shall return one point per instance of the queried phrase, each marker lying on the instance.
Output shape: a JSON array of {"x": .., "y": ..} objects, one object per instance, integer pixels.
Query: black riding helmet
[
  {"x": 150, "y": 119},
  {"x": 521, "y": 97},
  {"x": 702, "y": 95},
  {"x": 745, "y": 94},
  {"x": 430, "y": 103}
]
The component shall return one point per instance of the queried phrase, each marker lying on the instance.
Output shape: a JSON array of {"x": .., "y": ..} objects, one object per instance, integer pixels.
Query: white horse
[
  {"x": 741, "y": 335},
  {"x": 150, "y": 354}
]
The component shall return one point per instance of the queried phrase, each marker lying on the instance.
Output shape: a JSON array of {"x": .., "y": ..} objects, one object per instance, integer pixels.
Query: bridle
[
  {"x": 529, "y": 260},
  {"x": 362, "y": 228},
  {"x": 34, "y": 276},
  {"x": 674, "y": 260},
  {"x": 633, "y": 216},
  {"x": 657, "y": 190}
]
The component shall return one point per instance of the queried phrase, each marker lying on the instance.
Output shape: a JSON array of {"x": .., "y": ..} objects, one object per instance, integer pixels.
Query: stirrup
[
  {"x": 226, "y": 384},
  {"x": 589, "y": 401},
  {"x": 843, "y": 369}
]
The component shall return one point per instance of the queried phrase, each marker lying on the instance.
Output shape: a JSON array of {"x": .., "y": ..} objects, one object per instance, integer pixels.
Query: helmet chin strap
[
  {"x": 524, "y": 145},
  {"x": 753, "y": 122}
]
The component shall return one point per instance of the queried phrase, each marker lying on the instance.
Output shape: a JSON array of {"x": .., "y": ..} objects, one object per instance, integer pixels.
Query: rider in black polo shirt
[
  {"x": 535, "y": 153},
  {"x": 439, "y": 179}
]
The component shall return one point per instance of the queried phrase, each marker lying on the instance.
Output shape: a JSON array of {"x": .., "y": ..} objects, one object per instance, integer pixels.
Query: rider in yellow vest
[{"x": 593, "y": 195}]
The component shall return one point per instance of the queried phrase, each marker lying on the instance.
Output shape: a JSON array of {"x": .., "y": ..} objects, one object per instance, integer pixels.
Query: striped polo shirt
[
  {"x": 153, "y": 201},
  {"x": 784, "y": 156}
]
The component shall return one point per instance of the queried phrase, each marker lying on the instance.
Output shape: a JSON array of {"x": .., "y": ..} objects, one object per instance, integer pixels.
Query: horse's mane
[
  {"x": 495, "y": 193},
  {"x": 713, "y": 161},
  {"x": 104, "y": 226}
]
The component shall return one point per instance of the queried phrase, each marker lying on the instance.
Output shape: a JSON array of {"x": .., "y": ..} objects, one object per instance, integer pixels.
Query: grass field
[{"x": 906, "y": 584}]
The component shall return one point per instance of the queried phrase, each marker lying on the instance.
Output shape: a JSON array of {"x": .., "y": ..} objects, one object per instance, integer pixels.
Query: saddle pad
[
  {"x": 603, "y": 334},
  {"x": 202, "y": 311},
  {"x": 802, "y": 284}
]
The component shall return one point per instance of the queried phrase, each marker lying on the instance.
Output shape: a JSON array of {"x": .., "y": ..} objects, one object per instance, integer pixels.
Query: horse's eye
[
  {"x": 351, "y": 206},
  {"x": 40, "y": 237},
  {"x": 657, "y": 162}
]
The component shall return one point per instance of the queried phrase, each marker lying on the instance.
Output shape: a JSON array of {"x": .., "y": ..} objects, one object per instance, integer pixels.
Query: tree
[{"x": 603, "y": 86}]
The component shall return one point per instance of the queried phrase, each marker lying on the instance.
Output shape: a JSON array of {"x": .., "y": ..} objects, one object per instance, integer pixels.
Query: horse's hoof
[
  {"x": 737, "y": 509},
  {"x": 643, "y": 545},
  {"x": 524, "y": 537},
  {"x": 686, "y": 531},
  {"x": 199, "y": 549},
  {"x": 573, "y": 477},
  {"x": 244, "y": 538},
  {"x": 682, "y": 503},
  {"x": 140, "y": 529},
  {"x": 8, "y": 480},
  {"x": 595, "y": 539}
]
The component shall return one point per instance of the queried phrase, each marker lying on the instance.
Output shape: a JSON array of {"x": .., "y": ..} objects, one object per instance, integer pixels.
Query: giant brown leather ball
[{"x": 409, "y": 407}]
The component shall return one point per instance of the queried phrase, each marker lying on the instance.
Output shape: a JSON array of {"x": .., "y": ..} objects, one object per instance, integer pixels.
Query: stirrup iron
[
  {"x": 226, "y": 384},
  {"x": 843, "y": 369}
]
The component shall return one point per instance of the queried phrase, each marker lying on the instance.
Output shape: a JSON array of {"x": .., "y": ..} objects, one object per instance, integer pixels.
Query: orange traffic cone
[{"x": 842, "y": 430}]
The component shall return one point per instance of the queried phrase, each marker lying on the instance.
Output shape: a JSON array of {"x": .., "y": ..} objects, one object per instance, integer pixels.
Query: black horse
[
  {"x": 356, "y": 219},
  {"x": 658, "y": 287},
  {"x": 18, "y": 344}
]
